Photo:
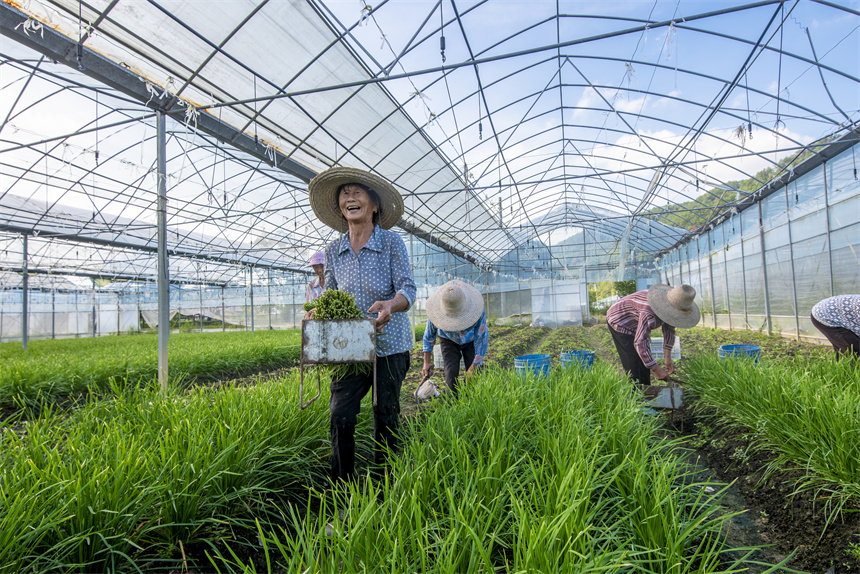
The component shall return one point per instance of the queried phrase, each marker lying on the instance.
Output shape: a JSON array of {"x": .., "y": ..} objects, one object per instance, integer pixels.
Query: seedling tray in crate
[{"x": 336, "y": 341}]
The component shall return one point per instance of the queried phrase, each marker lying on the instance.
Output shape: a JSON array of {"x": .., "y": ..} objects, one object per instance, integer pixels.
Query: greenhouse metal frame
[{"x": 155, "y": 155}]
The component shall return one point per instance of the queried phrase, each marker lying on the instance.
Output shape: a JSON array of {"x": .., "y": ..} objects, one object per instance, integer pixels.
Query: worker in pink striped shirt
[
  {"x": 317, "y": 284},
  {"x": 632, "y": 318}
]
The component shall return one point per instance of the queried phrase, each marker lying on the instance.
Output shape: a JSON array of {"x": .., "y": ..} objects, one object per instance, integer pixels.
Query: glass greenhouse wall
[{"x": 767, "y": 265}]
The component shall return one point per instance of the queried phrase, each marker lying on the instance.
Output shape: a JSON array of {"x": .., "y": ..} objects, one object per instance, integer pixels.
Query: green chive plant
[
  {"x": 52, "y": 369},
  {"x": 808, "y": 413},
  {"x": 126, "y": 482},
  {"x": 520, "y": 474}
]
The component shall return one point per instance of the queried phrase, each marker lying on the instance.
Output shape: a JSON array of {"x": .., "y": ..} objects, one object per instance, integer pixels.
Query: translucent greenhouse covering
[{"x": 540, "y": 148}]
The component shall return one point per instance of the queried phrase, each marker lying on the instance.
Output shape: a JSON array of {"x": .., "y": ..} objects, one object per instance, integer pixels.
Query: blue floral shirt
[
  {"x": 378, "y": 273},
  {"x": 840, "y": 311},
  {"x": 477, "y": 333}
]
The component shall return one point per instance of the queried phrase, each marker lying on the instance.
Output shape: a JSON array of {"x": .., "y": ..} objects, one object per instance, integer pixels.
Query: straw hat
[
  {"x": 317, "y": 258},
  {"x": 674, "y": 306},
  {"x": 455, "y": 306},
  {"x": 322, "y": 193}
]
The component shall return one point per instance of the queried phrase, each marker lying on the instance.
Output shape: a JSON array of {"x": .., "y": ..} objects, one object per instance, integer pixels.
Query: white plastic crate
[
  {"x": 439, "y": 364},
  {"x": 657, "y": 348}
]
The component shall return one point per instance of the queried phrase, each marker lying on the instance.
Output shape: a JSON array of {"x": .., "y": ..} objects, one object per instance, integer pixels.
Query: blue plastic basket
[
  {"x": 739, "y": 351},
  {"x": 581, "y": 359},
  {"x": 537, "y": 364}
]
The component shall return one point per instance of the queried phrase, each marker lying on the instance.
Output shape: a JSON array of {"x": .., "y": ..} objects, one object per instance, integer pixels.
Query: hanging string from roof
[
  {"x": 480, "y": 125},
  {"x": 442, "y": 30},
  {"x": 749, "y": 116},
  {"x": 97, "y": 127}
]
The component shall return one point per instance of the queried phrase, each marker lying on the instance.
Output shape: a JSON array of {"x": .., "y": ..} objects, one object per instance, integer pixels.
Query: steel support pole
[
  {"x": 726, "y": 275},
  {"x": 827, "y": 227},
  {"x": 711, "y": 278},
  {"x": 764, "y": 272},
  {"x": 269, "y": 296},
  {"x": 93, "y": 307},
  {"x": 200, "y": 286},
  {"x": 744, "y": 275},
  {"x": 251, "y": 278},
  {"x": 791, "y": 260},
  {"x": 223, "y": 312},
  {"x": 412, "y": 268},
  {"x": 519, "y": 289},
  {"x": 245, "y": 299},
  {"x": 163, "y": 278},
  {"x": 25, "y": 306}
]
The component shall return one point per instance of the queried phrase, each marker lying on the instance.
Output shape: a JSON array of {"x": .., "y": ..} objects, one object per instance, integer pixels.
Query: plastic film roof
[{"x": 498, "y": 121}]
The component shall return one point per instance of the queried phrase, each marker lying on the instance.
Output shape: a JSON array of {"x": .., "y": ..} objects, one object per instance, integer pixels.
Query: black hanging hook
[{"x": 441, "y": 29}]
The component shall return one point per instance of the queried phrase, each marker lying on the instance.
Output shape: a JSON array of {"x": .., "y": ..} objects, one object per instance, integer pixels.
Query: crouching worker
[
  {"x": 632, "y": 318},
  {"x": 456, "y": 312},
  {"x": 838, "y": 319}
]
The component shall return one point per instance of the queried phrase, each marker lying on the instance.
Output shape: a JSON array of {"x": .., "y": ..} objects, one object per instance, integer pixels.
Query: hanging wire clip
[
  {"x": 365, "y": 13},
  {"x": 31, "y": 25}
]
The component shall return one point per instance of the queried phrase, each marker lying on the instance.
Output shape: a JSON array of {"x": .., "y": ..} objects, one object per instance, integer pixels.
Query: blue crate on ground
[
  {"x": 582, "y": 359},
  {"x": 537, "y": 364},
  {"x": 739, "y": 351}
]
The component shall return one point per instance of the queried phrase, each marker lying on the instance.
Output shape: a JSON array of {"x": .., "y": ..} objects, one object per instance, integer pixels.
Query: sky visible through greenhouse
[{"x": 500, "y": 122}]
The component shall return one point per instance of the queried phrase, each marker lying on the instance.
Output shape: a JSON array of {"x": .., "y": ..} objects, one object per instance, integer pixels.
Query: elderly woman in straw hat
[
  {"x": 632, "y": 318},
  {"x": 455, "y": 312},
  {"x": 317, "y": 284},
  {"x": 371, "y": 263}
]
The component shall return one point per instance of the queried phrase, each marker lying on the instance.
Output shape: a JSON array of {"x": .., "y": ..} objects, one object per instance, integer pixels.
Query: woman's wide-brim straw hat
[
  {"x": 322, "y": 193},
  {"x": 455, "y": 306},
  {"x": 674, "y": 306}
]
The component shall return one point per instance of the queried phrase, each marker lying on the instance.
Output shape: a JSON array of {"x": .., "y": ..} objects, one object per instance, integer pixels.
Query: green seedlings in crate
[{"x": 336, "y": 304}]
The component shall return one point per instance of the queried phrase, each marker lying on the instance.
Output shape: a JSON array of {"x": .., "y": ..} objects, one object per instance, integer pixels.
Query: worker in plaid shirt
[{"x": 632, "y": 318}]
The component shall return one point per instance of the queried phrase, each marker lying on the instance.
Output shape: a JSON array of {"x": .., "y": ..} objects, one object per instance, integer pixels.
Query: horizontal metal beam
[
  {"x": 135, "y": 247},
  {"x": 62, "y": 49},
  {"x": 112, "y": 276}
]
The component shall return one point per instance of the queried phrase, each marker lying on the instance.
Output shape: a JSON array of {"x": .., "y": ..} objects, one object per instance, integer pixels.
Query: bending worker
[
  {"x": 456, "y": 312},
  {"x": 838, "y": 319},
  {"x": 371, "y": 263},
  {"x": 317, "y": 284},
  {"x": 632, "y": 318}
]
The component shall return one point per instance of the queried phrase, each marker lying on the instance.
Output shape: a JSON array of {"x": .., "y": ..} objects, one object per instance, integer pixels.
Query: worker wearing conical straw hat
[
  {"x": 317, "y": 284},
  {"x": 632, "y": 318},
  {"x": 455, "y": 312},
  {"x": 371, "y": 263}
]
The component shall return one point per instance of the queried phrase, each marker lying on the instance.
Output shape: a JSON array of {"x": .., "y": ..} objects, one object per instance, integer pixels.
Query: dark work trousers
[
  {"x": 345, "y": 403},
  {"x": 451, "y": 353},
  {"x": 630, "y": 359},
  {"x": 844, "y": 341}
]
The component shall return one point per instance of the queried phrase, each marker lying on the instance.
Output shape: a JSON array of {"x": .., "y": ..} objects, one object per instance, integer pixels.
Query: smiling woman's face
[{"x": 355, "y": 204}]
